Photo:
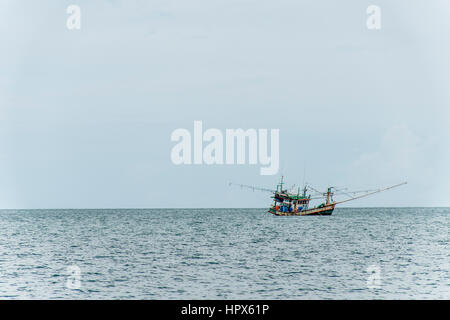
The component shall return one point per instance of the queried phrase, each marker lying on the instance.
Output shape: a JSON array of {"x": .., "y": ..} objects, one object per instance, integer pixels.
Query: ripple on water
[{"x": 225, "y": 253}]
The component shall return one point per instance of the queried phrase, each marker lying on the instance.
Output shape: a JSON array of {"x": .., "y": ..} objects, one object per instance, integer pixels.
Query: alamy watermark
[
  {"x": 373, "y": 21},
  {"x": 74, "y": 279},
  {"x": 74, "y": 20},
  {"x": 374, "y": 277},
  {"x": 190, "y": 148}
]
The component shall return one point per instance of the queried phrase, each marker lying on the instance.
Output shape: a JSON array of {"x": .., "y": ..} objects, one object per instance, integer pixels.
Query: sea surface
[{"x": 357, "y": 253}]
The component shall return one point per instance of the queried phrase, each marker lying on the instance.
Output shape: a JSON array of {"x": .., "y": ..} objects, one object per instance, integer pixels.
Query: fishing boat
[{"x": 289, "y": 203}]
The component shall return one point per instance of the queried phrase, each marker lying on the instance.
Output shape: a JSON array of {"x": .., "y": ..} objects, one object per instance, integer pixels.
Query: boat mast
[
  {"x": 280, "y": 184},
  {"x": 329, "y": 193}
]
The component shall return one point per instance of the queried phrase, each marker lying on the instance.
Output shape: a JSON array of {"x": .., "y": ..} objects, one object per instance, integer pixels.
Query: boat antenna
[{"x": 304, "y": 174}]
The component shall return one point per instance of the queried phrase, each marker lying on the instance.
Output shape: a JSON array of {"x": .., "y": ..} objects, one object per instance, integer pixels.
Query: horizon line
[{"x": 202, "y": 208}]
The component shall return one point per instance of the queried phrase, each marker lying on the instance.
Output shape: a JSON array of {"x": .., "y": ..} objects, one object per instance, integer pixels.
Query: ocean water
[{"x": 366, "y": 253}]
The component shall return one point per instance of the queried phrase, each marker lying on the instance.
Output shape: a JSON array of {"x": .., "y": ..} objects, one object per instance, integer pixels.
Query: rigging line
[
  {"x": 360, "y": 191},
  {"x": 342, "y": 192},
  {"x": 250, "y": 187},
  {"x": 368, "y": 194},
  {"x": 309, "y": 186}
]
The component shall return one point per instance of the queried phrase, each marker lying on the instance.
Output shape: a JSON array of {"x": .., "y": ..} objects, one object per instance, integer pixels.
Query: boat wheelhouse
[{"x": 290, "y": 204}]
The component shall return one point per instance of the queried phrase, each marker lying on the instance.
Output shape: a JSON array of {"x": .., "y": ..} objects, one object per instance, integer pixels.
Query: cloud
[
  {"x": 399, "y": 151},
  {"x": 404, "y": 154}
]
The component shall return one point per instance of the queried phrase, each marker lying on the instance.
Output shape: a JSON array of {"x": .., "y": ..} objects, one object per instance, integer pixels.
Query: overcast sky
[{"x": 86, "y": 115}]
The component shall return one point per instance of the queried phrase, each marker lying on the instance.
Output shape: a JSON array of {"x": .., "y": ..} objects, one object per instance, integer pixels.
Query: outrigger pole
[{"x": 368, "y": 194}]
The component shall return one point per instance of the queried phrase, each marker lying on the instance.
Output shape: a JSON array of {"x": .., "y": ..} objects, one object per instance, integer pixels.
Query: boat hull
[{"x": 326, "y": 210}]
